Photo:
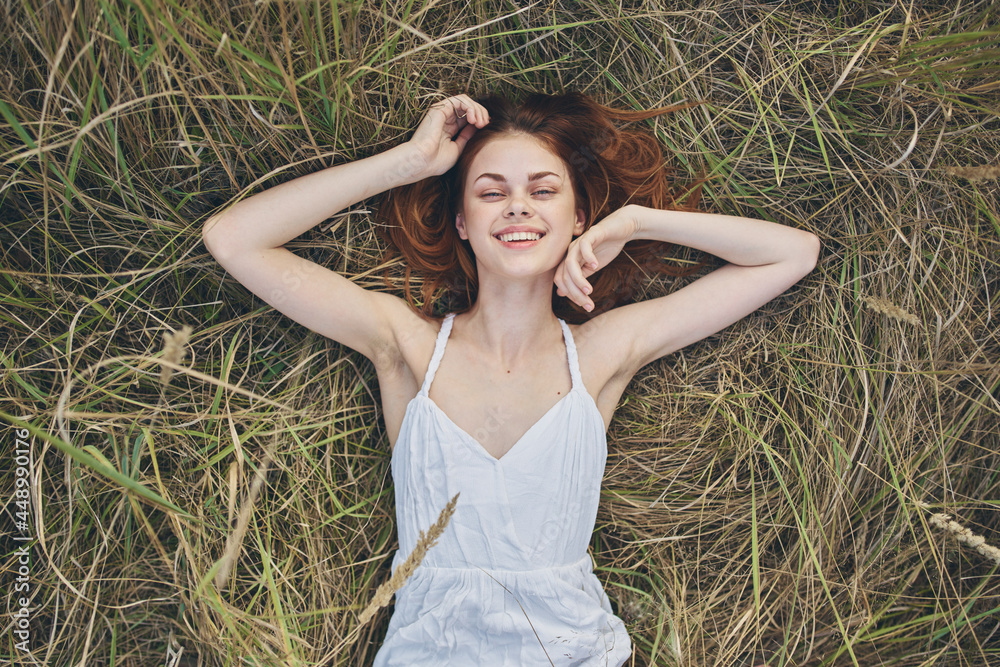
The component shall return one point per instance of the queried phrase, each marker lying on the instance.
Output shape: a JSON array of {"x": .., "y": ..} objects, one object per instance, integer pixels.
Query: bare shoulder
[
  {"x": 401, "y": 360},
  {"x": 407, "y": 347},
  {"x": 616, "y": 344}
]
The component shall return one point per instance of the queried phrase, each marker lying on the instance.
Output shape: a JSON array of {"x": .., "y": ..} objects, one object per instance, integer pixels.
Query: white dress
[{"x": 509, "y": 582}]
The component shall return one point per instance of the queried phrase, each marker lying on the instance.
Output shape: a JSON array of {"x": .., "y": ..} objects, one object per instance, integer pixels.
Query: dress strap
[
  {"x": 439, "y": 345},
  {"x": 574, "y": 360}
]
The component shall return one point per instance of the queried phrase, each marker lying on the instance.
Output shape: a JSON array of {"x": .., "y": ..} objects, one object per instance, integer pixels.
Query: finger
[
  {"x": 442, "y": 119},
  {"x": 574, "y": 283},
  {"x": 558, "y": 279},
  {"x": 576, "y": 267},
  {"x": 569, "y": 290},
  {"x": 463, "y": 137},
  {"x": 482, "y": 115},
  {"x": 591, "y": 257},
  {"x": 576, "y": 295},
  {"x": 451, "y": 108},
  {"x": 580, "y": 293},
  {"x": 564, "y": 282},
  {"x": 473, "y": 112},
  {"x": 463, "y": 108}
]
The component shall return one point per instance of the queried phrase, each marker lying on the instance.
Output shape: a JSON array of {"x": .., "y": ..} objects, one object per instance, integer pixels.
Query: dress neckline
[
  {"x": 478, "y": 446},
  {"x": 576, "y": 383}
]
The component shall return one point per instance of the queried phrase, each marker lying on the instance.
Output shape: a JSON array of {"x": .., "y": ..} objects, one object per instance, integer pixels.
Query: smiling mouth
[{"x": 514, "y": 237}]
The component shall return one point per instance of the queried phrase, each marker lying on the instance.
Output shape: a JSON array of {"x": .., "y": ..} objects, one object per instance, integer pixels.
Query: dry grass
[{"x": 770, "y": 492}]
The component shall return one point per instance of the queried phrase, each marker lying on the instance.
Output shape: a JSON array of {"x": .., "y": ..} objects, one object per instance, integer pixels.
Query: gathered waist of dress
[{"x": 521, "y": 577}]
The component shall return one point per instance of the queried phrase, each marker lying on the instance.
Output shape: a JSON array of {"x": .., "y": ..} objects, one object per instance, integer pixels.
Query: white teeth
[{"x": 520, "y": 236}]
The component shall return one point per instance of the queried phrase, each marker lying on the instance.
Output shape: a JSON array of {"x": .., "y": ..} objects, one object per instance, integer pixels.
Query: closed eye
[{"x": 545, "y": 192}]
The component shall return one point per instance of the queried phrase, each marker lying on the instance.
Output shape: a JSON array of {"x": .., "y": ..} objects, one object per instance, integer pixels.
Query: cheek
[{"x": 472, "y": 206}]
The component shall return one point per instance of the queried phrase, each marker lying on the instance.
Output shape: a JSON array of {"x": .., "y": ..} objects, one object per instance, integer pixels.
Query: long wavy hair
[{"x": 609, "y": 167}]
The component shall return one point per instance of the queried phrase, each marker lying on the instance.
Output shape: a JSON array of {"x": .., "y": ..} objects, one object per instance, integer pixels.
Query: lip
[{"x": 519, "y": 245}]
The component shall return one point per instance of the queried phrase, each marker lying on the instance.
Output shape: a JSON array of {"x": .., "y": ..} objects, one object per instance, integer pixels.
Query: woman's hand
[
  {"x": 592, "y": 251},
  {"x": 443, "y": 133}
]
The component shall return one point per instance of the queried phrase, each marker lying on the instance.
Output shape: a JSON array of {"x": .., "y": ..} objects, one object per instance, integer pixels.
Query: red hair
[{"x": 609, "y": 168}]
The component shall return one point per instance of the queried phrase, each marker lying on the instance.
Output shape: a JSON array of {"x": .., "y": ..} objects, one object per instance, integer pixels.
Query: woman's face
[{"x": 518, "y": 207}]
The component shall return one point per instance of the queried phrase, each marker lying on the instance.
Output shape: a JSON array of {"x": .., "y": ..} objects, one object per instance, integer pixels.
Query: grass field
[{"x": 770, "y": 492}]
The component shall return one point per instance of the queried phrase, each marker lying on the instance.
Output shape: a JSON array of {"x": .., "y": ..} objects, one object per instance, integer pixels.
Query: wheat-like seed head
[
  {"x": 966, "y": 536},
  {"x": 385, "y": 592},
  {"x": 887, "y": 307},
  {"x": 173, "y": 350},
  {"x": 980, "y": 173}
]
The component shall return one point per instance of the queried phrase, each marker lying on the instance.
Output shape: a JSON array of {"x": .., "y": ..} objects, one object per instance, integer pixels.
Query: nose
[{"x": 517, "y": 207}]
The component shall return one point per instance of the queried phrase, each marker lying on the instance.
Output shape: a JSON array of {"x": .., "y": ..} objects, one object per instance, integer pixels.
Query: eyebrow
[{"x": 531, "y": 177}]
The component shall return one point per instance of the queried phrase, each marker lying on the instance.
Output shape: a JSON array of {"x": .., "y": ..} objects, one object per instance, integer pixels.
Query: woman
[{"x": 504, "y": 402}]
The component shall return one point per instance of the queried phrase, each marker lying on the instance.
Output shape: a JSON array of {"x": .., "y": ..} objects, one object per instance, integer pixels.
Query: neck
[{"x": 509, "y": 318}]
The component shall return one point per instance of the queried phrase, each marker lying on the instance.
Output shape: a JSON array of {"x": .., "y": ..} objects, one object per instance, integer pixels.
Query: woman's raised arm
[
  {"x": 765, "y": 259},
  {"x": 248, "y": 238}
]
